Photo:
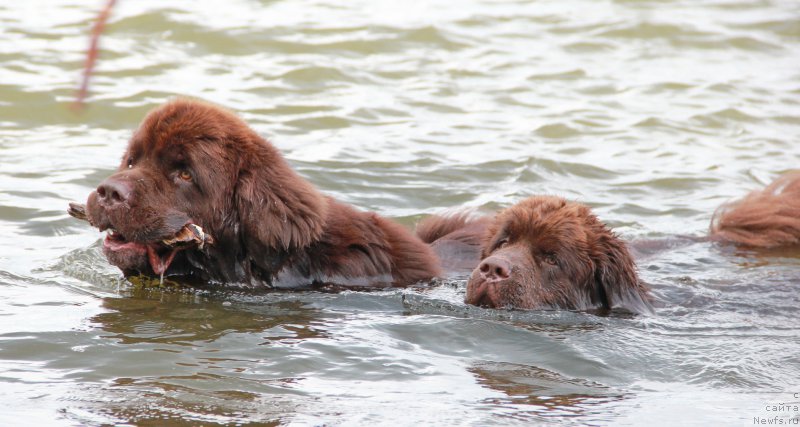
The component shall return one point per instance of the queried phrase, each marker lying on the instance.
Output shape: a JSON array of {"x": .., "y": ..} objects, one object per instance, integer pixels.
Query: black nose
[
  {"x": 113, "y": 191},
  {"x": 495, "y": 269}
]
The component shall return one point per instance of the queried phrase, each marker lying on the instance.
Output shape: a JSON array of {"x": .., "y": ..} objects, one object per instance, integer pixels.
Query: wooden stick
[
  {"x": 91, "y": 54},
  {"x": 190, "y": 234}
]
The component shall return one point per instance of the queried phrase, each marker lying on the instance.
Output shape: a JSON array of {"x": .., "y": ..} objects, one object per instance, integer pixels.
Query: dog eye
[
  {"x": 550, "y": 258},
  {"x": 130, "y": 162},
  {"x": 501, "y": 243},
  {"x": 185, "y": 175}
]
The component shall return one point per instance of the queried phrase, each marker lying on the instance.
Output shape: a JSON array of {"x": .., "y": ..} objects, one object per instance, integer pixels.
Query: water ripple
[{"x": 653, "y": 113}]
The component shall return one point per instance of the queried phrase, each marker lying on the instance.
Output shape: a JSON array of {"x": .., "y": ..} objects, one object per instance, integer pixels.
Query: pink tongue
[{"x": 160, "y": 265}]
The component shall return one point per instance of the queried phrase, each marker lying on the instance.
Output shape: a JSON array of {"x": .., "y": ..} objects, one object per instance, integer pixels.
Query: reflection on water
[
  {"x": 180, "y": 343},
  {"x": 180, "y": 319},
  {"x": 535, "y": 394},
  {"x": 653, "y": 113}
]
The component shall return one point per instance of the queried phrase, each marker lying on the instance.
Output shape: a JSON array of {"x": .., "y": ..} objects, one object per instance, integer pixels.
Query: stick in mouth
[
  {"x": 77, "y": 210},
  {"x": 190, "y": 234}
]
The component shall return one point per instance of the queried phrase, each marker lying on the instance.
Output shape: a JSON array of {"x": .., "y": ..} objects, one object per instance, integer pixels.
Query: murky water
[{"x": 652, "y": 112}]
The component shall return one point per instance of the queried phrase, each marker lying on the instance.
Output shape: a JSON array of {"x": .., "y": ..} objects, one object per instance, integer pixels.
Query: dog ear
[
  {"x": 277, "y": 208},
  {"x": 616, "y": 282}
]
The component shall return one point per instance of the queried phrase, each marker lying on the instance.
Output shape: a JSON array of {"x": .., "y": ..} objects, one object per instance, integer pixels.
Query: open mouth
[{"x": 160, "y": 254}]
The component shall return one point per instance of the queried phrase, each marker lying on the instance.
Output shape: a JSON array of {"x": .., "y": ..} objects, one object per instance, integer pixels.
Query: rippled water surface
[{"x": 652, "y": 112}]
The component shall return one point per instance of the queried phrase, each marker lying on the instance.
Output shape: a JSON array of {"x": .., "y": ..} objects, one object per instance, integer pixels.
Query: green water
[{"x": 653, "y": 113}]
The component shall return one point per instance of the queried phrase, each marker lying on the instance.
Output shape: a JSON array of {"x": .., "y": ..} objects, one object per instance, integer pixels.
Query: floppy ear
[
  {"x": 616, "y": 282},
  {"x": 277, "y": 208}
]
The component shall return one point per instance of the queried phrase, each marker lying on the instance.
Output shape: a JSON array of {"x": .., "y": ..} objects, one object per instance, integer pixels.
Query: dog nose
[
  {"x": 113, "y": 192},
  {"x": 495, "y": 269}
]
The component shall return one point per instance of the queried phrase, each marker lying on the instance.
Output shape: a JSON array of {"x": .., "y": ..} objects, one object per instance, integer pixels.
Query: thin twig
[{"x": 91, "y": 54}]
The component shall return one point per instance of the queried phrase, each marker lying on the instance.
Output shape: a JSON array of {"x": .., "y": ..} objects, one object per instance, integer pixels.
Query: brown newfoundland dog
[
  {"x": 200, "y": 194},
  {"x": 546, "y": 252}
]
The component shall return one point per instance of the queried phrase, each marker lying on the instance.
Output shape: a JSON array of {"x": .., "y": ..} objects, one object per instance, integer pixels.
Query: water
[{"x": 653, "y": 113}]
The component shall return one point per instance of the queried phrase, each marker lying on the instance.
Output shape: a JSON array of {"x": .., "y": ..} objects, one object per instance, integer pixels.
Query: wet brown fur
[
  {"x": 456, "y": 238},
  {"x": 594, "y": 268},
  {"x": 269, "y": 223},
  {"x": 766, "y": 218},
  {"x": 560, "y": 255},
  {"x": 557, "y": 254}
]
